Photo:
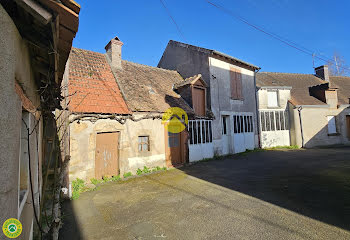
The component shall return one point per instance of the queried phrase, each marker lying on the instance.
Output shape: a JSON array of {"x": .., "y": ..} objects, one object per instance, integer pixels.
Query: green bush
[
  {"x": 78, "y": 186},
  {"x": 139, "y": 171},
  {"x": 128, "y": 174}
]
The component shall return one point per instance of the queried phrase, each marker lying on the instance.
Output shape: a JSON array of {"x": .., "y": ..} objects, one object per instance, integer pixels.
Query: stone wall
[{"x": 83, "y": 145}]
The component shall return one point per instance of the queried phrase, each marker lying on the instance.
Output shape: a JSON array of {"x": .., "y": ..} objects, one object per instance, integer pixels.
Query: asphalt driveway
[{"x": 291, "y": 194}]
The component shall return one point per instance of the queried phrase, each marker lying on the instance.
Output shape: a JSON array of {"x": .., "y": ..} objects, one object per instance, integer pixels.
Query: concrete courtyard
[{"x": 284, "y": 194}]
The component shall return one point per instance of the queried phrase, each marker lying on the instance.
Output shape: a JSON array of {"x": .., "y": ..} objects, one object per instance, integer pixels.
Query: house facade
[
  {"x": 231, "y": 94},
  {"x": 317, "y": 108},
  {"x": 27, "y": 31},
  {"x": 115, "y": 114}
]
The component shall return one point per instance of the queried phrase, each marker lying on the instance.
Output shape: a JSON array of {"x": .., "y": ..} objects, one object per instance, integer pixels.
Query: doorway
[
  {"x": 225, "y": 131},
  {"x": 348, "y": 126},
  {"x": 106, "y": 155}
]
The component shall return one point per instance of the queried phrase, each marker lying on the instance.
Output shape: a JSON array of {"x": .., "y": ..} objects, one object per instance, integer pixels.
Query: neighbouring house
[
  {"x": 35, "y": 41},
  {"x": 312, "y": 108},
  {"x": 231, "y": 93},
  {"x": 115, "y": 114}
]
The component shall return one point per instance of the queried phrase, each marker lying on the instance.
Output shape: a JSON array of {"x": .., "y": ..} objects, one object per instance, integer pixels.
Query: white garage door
[
  {"x": 274, "y": 127},
  {"x": 200, "y": 140},
  {"x": 243, "y": 132}
]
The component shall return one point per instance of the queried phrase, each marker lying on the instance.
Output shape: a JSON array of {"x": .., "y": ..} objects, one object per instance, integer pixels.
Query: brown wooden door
[
  {"x": 348, "y": 126},
  {"x": 175, "y": 148},
  {"x": 199, "y": 101},
  {"x": 106, "y": 155}
]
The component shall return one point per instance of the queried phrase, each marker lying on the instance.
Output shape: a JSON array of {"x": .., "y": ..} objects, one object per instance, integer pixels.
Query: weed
[
  {"x": 128, "y": 174},
  {"x": 78, "y": 187},
  {"x": 146, "y": 169},
  {"x": 138, "y": 171},
  {"x": 115, "y": 178},
  {"x": 164, "y": 168},
  {"x": 95, "y": 181},
  {"x": 106, "y": 179}
]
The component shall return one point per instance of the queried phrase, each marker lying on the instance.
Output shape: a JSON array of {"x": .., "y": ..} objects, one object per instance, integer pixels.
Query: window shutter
[
  {"x": 239, "y": 85},
  {"x": 233, "y": 83},
  {"x": 331, "y": 124}
]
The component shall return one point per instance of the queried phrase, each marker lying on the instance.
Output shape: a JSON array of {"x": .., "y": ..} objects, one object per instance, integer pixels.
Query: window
[
  {"x": 273, "y": 120},
  {"x": 173, "y": 139},
  {"x": 200, "y": 131},
  {"x": 272, "y": 99},
  {"x": 331, "y": 125},
  {"x": 236, "y": 84},
  {"x": 242, "y": 123},
  {"x": 23, "y": 163},
  {"x": 224, "y": 125},
  {"x": 144, "y": 144}
]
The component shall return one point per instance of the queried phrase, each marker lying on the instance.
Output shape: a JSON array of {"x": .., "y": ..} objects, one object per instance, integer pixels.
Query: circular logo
[
  {"x": 12, "y": 228},
  {"x": 175, "y": 120}
]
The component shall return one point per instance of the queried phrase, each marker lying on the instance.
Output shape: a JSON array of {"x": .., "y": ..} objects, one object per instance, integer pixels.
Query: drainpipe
[
  {"x": 301, "y": 126},
  {"x": 257, "y": 108}
]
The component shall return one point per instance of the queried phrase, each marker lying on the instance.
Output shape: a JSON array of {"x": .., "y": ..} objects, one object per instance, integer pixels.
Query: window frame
[
  {"x": 277, "y": 99},
  {"x": 142, "y": 143}
]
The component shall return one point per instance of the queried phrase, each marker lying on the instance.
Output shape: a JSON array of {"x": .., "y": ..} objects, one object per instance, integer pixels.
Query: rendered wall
[
  {"x": 83, "y": 145},
  {"x": 15, "y": 67},
  {"x": 221, "y": 97}
]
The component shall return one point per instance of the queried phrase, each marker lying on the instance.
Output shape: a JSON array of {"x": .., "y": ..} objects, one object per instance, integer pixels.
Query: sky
[{"x": 145, "y": 27}]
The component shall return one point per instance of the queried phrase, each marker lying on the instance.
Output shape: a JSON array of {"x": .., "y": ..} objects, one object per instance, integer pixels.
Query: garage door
[{"x": 243, "y": 135}]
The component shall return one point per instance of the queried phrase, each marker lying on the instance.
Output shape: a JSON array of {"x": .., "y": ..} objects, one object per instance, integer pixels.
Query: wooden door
[
  {"x": 175, "y": 148},
  {"x": 348, "y": 126},
  {"x": 199, "y": 101},
  {"x": 106, "y": 155}
]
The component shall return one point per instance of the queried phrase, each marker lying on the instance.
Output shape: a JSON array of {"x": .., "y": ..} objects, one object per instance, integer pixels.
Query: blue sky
[{"x": 145, "y": 28}]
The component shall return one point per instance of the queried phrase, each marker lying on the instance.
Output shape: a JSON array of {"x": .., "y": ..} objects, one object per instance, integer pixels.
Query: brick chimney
[
  {"x": 114, "y": 52},
  {"x": 322, "y": 72}
]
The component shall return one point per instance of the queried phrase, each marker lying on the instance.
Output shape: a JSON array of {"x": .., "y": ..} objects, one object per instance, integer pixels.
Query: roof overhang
[{"x": 235, "y": 60}]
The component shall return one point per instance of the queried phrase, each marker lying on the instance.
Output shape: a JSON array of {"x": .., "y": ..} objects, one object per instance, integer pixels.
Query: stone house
[
  {"x": 116, "y": 110},
  {"x": 231, "y": 93},
  {"x": 33, "y": 57},
  {"x": 314, "y": 108}
]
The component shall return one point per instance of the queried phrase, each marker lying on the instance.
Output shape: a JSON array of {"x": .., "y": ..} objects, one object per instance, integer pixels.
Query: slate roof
[
  {"x": 300, "y": 84},
  {"x": 92, "y": 86},
  {"x": 149, "y": 89}
]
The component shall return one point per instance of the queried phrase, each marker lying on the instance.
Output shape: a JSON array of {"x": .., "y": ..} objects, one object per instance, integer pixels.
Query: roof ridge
[
  {"x": 86, "y": 50},
  {"x": 144, "y": 65},
  {"x": 289, "y": 73}
]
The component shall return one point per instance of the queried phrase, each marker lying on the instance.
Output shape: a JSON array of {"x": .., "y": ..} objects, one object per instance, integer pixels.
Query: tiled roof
[
  {"x": 300, "y": 84},
  {"x": 189, "y": 80},
  {"x": 92, "y": 86},
  {"x": 343, "y": 85},
  {"x": 149, "y": 89}
]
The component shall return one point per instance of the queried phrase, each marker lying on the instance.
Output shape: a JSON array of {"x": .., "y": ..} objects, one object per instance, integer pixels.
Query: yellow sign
[
  {"x": 175, "y": 120},
  {"x": 12, "y": 228}
]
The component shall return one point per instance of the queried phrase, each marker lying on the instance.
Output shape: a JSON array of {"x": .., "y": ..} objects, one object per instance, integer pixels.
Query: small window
[
  {"x": 224, "y": 125},
  {"x": 331, "y": 125},
  {"x": 272, "y": 99},
  {"x": 173, "y": 139},
  {"x": 144, "y": 144}
]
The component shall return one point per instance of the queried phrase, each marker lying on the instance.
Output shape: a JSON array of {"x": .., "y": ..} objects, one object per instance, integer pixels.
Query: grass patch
[
  {"x": 128, "y": 174},
  {"x": 282, "y": 147},
  {"x": 78, "y": 186}
]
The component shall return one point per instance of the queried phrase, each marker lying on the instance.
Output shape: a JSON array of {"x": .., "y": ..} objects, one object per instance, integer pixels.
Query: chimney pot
[
  {"x": 322, "y": 72},
  {"x": 114, "y": 52}
]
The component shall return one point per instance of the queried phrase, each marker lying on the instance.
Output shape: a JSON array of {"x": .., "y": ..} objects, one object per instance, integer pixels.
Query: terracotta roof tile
[{"x": 92, "y": 86}]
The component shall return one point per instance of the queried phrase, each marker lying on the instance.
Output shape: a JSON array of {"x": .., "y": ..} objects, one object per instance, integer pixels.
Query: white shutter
[
  {"x": 272, "y": 100},
  {"x": 331, "y": 124}
]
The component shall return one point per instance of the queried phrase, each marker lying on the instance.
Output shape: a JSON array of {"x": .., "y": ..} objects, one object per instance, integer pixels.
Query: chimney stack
[
  {"x": 114, "y": 52},
  {"x": 322, "y": 72}
]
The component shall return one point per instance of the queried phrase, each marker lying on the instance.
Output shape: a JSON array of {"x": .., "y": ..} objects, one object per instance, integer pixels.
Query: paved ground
[{"x": 295, "y": 194}]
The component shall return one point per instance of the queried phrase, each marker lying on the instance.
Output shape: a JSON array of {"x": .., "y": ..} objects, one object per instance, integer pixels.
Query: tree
[{"x": 338, "y": 66}]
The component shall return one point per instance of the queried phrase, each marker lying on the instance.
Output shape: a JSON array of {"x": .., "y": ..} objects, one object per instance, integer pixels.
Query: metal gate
[{"x": 200, "y": 140}]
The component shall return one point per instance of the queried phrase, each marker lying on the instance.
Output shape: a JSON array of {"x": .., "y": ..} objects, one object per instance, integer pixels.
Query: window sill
[{"x": 333, "y": 134}]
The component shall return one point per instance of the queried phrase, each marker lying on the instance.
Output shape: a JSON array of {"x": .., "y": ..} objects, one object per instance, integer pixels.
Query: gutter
[
  {"x": 301, "y": 126},
  {"x": 257, "y": 108}
]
